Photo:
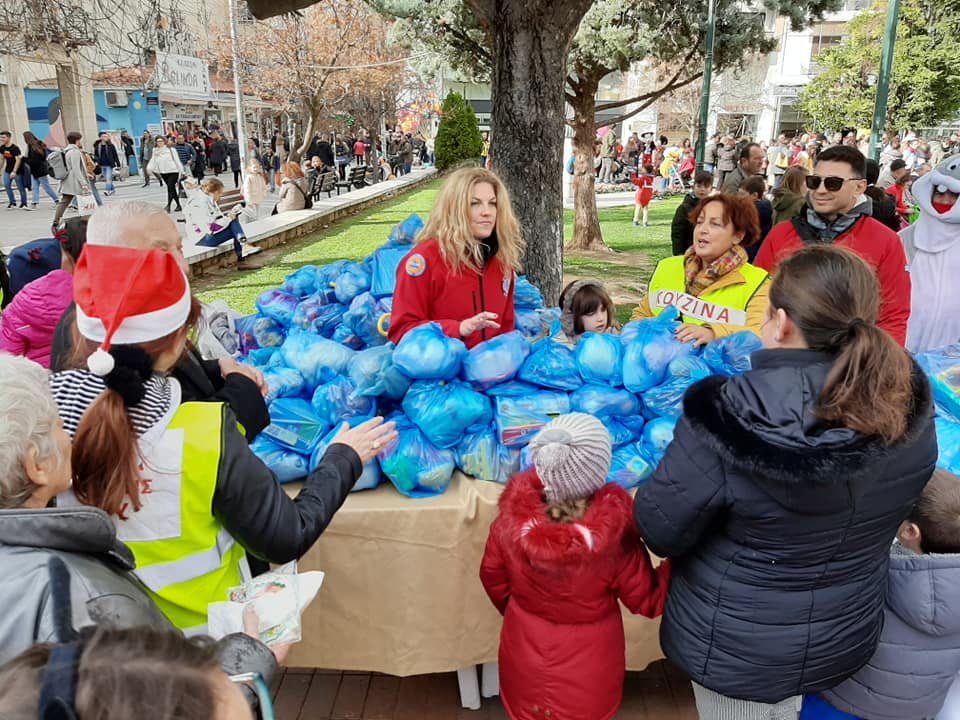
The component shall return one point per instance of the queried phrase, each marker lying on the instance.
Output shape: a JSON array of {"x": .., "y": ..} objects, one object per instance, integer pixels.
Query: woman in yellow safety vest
[
  {"x": 712, "y": 285},
  {"x": 186, "y": 493}
]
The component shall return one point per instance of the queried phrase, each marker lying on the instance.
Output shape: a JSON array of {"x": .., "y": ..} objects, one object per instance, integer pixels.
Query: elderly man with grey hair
[
  {"x": 60, "y": 569},
  {"x": 141, "y": 225}
]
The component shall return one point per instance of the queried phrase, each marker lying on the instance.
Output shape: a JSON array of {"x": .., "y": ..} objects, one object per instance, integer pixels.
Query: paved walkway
[{"x": 18, "y": 226}]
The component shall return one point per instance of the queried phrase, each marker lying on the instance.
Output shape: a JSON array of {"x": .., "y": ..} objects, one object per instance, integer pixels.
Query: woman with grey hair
[{"x": 60, "y": 568}]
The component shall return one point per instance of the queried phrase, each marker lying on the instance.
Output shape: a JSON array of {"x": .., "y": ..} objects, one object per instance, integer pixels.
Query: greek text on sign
[
  {"x": 188, "y": 77},
  {"x": 694, "y": 307}
]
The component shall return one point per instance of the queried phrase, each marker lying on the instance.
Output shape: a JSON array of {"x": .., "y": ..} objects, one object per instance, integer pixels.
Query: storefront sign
[
  {"x": 184, "y": 114},
  {"x": 187, "y": 77}
]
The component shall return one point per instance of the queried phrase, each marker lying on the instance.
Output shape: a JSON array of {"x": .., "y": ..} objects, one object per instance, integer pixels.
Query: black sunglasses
[{"x": 831, "y": 182}]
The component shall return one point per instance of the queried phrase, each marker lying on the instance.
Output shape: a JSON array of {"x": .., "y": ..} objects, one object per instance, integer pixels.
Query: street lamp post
[
  {"x": 237, "y": 89},
  {"x": 883, "y": 78},
  {"x": 707, "y": 76}
]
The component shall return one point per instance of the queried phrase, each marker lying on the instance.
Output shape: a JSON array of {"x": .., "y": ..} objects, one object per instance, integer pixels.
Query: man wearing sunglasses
[{"x": 838, "y": 212}]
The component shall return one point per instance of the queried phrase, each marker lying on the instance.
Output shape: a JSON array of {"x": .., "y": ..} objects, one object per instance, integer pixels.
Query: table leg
[
  {"x": 469, "y": 687},
  {"x": 490, "y": 679}
]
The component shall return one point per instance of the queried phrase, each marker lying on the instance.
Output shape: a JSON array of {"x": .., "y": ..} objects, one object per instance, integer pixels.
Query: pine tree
[{"x": 458, "y": 137}]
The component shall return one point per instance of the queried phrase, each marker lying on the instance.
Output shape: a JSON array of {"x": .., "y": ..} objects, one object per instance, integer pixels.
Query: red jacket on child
[
  {"x": 427, "y": 291},
  {"x": 557, "y": 585}
]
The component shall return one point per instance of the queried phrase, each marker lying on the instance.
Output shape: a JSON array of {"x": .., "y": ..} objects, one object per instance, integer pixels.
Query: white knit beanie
[{"x": 572, "y": 456}]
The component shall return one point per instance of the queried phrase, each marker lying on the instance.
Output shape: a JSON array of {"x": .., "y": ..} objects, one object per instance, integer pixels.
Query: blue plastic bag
[
  {"x": 345, "y": 336},
  {"x": 374, "y": 374},
  {"x": 415, "y": 467},
  {"x": 730, "y": 355},
  {"x": 425, "y": 353},
  {"x": 295, "y": 425},
  {"x": 551, "y": 365},
  {"x": 657, "y": 434},
  {"x": 282, "y": 382},
  {"x": 287, "y": 465},
  {"x": 443, "y": 411},
  {"x": 942, "y": 367},
  {"x": 526, "y": 295},
  {"x": 318, "y": 359},
  {"x": 599, "y": 359},
  {"x": 371, "y": 476},
  {"x": 520, "y": 418},
  {"x": 337, "y": 401},
  {"x": 647, "y": 356},
  {"x": 256, "y": 331},
  {"x": 629, "y": 466},
  {"x": 623, "y": 430},
  {"x": 603, "y": 401},
  {"x": 260, "y": 357},
  {"x": 386, "y": 260},
  {"x": 278, "y": 305},
  {"x": 513, "y": 388},
  {"x": 629, "y": 332},
  {"x": 352, "y": 281},
  {"x": 688, "y": 367},
  {"x": 363, "y": 319},
  {"x": 667, "y": 398},
  {"x": 327, "y": 274},
  {"x": 310, "y": 314},
  {"x": 482, "y": 457},
  {"x": 529, "y": 322},
  {"x": 496, "y": 361},
  {"x": 301, "y": 282},
  {"x": 405, "y": 233}
]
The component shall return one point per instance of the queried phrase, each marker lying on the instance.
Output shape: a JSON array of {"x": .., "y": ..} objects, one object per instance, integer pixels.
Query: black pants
[
  {"x": 236, "y": 178},
  {"x": 170, "y": 180}
]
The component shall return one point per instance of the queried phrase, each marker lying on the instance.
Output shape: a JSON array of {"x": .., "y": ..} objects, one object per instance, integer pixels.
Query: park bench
[
  {"x": 230, "y": 199},
  {"x": 325, "y": 183},
  {"x": 356, "y": 179}
]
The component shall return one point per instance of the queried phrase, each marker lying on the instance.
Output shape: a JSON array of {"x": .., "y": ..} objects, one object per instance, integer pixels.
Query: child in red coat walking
[
  {"x": 643, "y": 181},
  {"x": 560, "y": 555}
]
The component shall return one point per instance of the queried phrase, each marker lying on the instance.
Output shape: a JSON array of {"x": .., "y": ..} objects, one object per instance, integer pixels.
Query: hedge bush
[{"x": 458, "y": 137}]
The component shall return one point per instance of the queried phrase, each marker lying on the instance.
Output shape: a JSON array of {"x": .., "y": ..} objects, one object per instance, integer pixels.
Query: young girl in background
[
  {"x": 644, "y": 183},
  {"x": 559, "y": 556},
  {"x": 585, "y": 307},
  {"x": 254, "y": 189}
]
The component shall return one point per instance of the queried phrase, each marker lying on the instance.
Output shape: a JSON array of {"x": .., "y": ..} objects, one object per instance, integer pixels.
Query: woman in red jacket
[
  {"x": 462, "y": 275},
  {"x": 559, "y": 556}
]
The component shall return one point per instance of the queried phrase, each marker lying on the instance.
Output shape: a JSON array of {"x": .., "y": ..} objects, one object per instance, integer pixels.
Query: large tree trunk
[
  {"x": 531, "y": 40},
  {"x": 586, "y": 221}
]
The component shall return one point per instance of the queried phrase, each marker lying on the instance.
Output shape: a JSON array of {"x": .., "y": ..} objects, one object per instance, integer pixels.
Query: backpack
[
  {"x": 57, "y": 164},
  {"x": 307, "y": 199}
]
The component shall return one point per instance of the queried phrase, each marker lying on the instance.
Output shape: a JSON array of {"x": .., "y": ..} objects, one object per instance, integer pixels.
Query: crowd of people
[{"x": 810, "y": 549}]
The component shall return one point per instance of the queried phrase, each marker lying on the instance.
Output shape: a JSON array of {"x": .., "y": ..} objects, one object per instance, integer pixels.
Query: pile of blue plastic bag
[
  {"x": 942, "y": 367},
  {"x": 320, "y": 340}
]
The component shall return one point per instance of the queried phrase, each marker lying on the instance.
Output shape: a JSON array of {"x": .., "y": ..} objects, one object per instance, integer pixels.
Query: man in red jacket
[{"x": 838, "y": 212}]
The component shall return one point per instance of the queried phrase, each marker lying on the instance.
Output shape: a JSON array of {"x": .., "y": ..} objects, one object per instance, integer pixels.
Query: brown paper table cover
[{"x": 402, "y": 593}]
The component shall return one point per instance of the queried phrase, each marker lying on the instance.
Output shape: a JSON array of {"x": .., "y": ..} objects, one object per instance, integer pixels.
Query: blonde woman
[
  {"x": 254, "y": 189},
  {"x": 293, "y": 188},
  {"x": 462, "y": 273}
]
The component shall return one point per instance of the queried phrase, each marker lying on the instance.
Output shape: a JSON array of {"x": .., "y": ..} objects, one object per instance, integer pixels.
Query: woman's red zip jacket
[{"x": 427, "y": 290}]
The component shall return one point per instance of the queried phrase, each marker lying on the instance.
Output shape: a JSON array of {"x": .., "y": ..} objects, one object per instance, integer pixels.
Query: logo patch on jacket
[
  {"x": 507, "y": 279},
  {"x": 416, "y": 265}
]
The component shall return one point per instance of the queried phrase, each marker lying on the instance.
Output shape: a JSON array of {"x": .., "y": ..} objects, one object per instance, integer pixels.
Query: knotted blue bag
[
  {"x": 443, "y": 411},
  {"x": 526, "y": 295},
  {"x": 657, "y": 434},
  {"x": 603, "y": 401},
  {"x": 551, "y": 365},
  {"x": 629, "y": 466},
  {"x": 482, "y": 457},
  {"x": 278, "y": 305},
  {"x": 352, "y": 281},
  {"x": 337, "y": 401},
  {"x": 282, "y": 382},
  {"x": 371, "y": 476},
  {"x": 301, "y": 282},
  {"x": 730, "y": 355},
  {"x": 496, "y": 361},
  {"x": 647, "y": 356},
  {"x": 318, "y": 359},
  {"x": 425, "y": 353},
  {"x": 415, "y": 467},
  {"x": 599, "y": 359},
  {"x": 373, "y": 372},
  {"x": 287, "y": 465}
]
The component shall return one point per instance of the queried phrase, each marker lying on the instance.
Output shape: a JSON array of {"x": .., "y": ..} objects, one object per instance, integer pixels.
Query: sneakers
[
  {"x": 26, "y": 207},
  {"x": 635, "y": 223},
  {"x": 12, "y": 206}
]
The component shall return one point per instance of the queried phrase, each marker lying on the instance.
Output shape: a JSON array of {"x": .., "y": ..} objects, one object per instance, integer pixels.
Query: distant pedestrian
[
  {"x": 146, "y": 152},
  {"x": 39, "y": 169},
  {"x": 107, "y": 158}
]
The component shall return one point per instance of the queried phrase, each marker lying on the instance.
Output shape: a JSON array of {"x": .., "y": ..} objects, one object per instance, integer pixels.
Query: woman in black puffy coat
[{"x": 782, "y": 491}]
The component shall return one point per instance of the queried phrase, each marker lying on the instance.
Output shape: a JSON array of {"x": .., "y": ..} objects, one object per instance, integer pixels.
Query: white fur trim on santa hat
[
  {"x": 101, "y": 363},
  {"x": 138, "y": 328}
]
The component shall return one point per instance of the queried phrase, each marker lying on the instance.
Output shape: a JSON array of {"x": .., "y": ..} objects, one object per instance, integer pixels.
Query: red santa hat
[{"x": 127, "y": 297}]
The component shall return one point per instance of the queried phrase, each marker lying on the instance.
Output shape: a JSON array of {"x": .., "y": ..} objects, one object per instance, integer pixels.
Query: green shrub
[{"x": 458, "y": 137}]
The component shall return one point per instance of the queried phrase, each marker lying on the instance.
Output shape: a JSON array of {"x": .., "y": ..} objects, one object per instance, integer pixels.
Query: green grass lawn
[{"x": 636, "y": 249}]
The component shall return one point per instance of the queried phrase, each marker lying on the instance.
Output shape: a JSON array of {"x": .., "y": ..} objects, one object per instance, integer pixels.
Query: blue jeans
[
  {"x": 107, "y": 177},
  {"x": 44, "y": 181},
  {"x": 233, "y": 231},
  {"x": 8, "y": 180}
]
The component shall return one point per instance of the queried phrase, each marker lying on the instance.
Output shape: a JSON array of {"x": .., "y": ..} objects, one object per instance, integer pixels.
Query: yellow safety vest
[
  {"x": 725, "y": 305},
  {"x": 190, "y": 559}
]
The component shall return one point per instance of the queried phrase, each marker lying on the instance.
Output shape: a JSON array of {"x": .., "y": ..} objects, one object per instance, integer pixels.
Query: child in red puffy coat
[{"x": 560, "y": 555}]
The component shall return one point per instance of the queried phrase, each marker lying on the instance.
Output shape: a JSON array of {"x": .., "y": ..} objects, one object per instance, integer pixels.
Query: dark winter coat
[
  {"x": 106, "y": 154},
  {"x": 233, "y": 152},
  {"x": 681, "y": 229},
  {"x": 557, "y": 586},
  {"x": 780, "y": 529},
  {"x": 918, "y": 657},
  {"x": 218, "y": 152}
]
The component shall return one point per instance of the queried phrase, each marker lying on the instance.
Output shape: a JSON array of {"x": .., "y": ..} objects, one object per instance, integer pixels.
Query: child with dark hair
[
  {"x": 681, "y": 229},
  {"x": 918, "y": 656},
  {"x": 755, "y": 188},
  {"x": 28, "y": 324},
  {"x": 585, "y": 307},
  {"x": 644, "y": 183}
]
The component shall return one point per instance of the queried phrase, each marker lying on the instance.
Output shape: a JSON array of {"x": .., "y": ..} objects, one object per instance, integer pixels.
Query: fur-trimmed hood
[
  {"x": 543, "y": 541},
  {"x": 764, "y": 422}
]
